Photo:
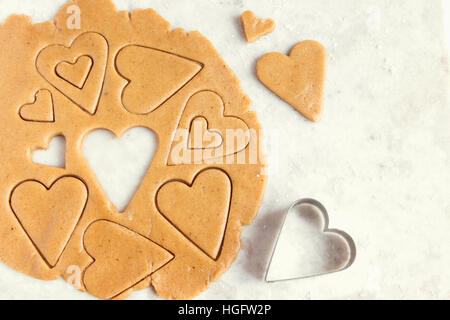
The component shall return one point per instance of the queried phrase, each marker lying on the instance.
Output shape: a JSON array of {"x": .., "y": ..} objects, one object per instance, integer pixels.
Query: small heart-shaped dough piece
[
  {"x": 255, "y": 28},
  {"x": 297, "y": 79},
  {"x": 122, "y": 258},
  {"x": 49, "y": 215},
  {"x": 41, "y": 110},
  {"x": 199, "y": 210}
]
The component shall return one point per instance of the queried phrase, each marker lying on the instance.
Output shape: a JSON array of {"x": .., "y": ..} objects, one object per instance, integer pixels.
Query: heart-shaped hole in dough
[
  {"x": 120, "y": 164},
  {"x": 54, "y": 155}
]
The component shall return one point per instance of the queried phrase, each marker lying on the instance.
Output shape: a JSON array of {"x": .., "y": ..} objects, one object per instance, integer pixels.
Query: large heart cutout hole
[{"x": 120, "y": 163}]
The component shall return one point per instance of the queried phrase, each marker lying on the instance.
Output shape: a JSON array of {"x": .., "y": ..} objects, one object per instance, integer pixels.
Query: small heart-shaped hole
[
  {"x": 54, "y": 155},
  {"x": 120, "y": 164}
]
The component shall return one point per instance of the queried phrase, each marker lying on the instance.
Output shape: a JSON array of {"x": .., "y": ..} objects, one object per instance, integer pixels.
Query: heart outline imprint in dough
[
  {"x": 111, "y": 246},
  {"x": 39, "y": 210},
  {"x": 197, "y": 141},
  {"x": 188, "y": 206},
  {"x": 255, "y": 28},
  {"x": 153, "y": 76},
  {"x": 209, "y": 106},
  {"x": 75, "y": 73},
  {"x": 299, "y": 78},
  {"x": 41, "y": 109},
  {"x": 90, "y": 44},
  {"x": 277, "y": 259}
]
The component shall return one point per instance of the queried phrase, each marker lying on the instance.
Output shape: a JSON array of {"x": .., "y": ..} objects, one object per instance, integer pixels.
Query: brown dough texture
[
  {"x": 255, "y": 28},
  {"x": 299, "y": 78},
  {"x": 121, "y": 70}
]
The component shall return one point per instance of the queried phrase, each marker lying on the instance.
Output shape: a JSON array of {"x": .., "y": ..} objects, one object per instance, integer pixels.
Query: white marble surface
[{"x": 379, "y": 160}]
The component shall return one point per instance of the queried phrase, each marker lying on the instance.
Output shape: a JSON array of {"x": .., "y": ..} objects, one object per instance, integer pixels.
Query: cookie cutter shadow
[{"x": 265, "y": 238}]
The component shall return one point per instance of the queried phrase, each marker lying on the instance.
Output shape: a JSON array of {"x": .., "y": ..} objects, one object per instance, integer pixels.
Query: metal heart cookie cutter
[{"x": 305, "y": 247}]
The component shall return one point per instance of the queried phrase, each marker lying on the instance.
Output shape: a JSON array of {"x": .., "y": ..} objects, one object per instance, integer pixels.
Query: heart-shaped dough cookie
[
  {"x": 255, "y": 28},
  {"x": 122, "y": 258},
  {"x": 194, "y": 144},
  {"x": 297, "y": 79},
  {"x": 49, "y": 215},
  {"x": 82, "y": 89},
  {"x": 41, "y": 110},
  {"x": 154, "y": 76},
  {"x": 199, "y": 210}
]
